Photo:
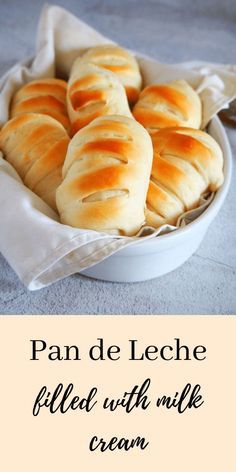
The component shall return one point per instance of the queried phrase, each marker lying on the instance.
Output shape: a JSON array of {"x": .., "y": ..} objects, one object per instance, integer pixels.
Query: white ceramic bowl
[{"x": 158, "y": 256}]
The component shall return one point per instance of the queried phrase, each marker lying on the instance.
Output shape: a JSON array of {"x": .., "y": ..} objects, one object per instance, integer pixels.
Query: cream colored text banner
[{"x": 83, "y": 393}]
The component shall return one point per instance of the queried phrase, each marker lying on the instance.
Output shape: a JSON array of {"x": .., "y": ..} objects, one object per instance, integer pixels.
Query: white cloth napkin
[{"x": 39, "y": 248}]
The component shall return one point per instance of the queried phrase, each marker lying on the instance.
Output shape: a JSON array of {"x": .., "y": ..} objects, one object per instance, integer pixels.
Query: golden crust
[
  {"x": 106, "y": 176},
  {"x": 167, "y": 105},
  {"x": 36, "y": 146},
  {"x": 122, "y": 63},
  {"x": 93, "y": 92},
  {"x": 186, "y": 163},
  {"x": 45, "y": 96}
]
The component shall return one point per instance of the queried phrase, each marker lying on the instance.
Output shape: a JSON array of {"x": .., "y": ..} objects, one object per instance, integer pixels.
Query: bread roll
[
  {"x": 93, "y": 92},
  {"x": 122, "y": 63},
  {"x": 186, "y": 163},
  {"x": 46, "y": 96},
  {"x": 106, "y": 176},
  {"x": 168, "y": 105},
  {"x": 36, "y": 146}
]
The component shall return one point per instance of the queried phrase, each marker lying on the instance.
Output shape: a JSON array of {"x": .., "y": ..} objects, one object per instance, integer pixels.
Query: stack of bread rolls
[{"x": 107, "y": 155}]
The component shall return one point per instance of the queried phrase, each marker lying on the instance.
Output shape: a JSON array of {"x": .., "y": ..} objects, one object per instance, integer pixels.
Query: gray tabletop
[{"x": 171, "y": 31}]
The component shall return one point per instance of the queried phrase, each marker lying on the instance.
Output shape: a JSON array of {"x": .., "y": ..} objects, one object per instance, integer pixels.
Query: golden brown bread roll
[
  {"x": 36, "y": 146},
  {"x": 122, "y": 63},
  {"x": 106, "y": 176},
  {"x": 168, "y": 105},
  {"x": 46, "y": 96},
  {"x": 93, "y": 92},
  {"x": 186, "y": 163}
]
